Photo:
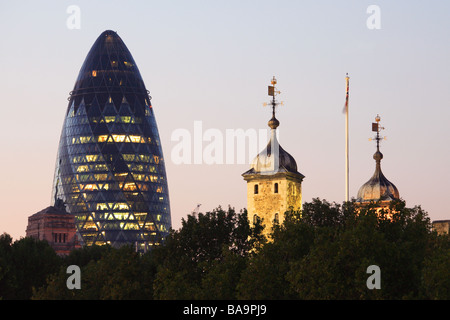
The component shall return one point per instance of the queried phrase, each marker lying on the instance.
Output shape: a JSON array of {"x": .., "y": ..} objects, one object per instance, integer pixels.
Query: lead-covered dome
[
  {"x": 273, "y": 158},
  {"x": 378, "y": 188}
]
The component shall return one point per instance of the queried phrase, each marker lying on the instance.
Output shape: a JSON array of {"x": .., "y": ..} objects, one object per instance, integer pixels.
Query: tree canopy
[{"x": 321, "y": 252}]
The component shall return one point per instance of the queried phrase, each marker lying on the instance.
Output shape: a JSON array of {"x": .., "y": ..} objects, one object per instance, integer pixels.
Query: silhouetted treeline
[{"x": 320, "y": 253}]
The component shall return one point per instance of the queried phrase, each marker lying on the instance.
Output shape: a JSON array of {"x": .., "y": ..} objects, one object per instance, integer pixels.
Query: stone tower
[{"x": 274, "y": 185}]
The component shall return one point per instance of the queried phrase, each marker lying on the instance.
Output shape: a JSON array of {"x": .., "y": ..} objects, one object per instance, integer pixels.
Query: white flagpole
[{"x": 346, "y": 141}]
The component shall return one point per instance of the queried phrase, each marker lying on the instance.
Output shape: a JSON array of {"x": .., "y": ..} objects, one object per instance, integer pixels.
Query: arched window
[
  {"x": 275, "y": 188},
  {"x": 255, "y": 219},
  {"x": 256, "y": 189}
]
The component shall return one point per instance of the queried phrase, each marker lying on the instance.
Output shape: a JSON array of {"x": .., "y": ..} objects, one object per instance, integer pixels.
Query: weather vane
[
  {"x": 377, "y": 128},
  {"x": 272, "y": 91}
]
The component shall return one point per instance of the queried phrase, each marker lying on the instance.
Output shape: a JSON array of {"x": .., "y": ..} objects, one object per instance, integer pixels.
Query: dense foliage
[{"x": 320, "y": 253}]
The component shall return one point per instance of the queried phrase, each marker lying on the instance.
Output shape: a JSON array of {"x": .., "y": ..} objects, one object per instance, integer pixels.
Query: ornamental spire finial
[{"x": 272, "y": 91}]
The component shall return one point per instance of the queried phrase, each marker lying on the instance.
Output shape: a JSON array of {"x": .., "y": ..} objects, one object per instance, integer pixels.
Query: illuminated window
[
  {"x": 140, "y": 215},
  {"x": 138, "y": 176},
  {"x": 118, "y": 137},
  {"x": 100, "y": 176},
  {"x": 126, "y": 119},
  {"x": 77, "y": 159},
  {"x": 121, "y": 206},
  {"x": 86, "y": 139},
  {"x": 91, "y": 157},
  {"x": 100, "y": 167},
  {"x": 84, "y": 168},
  {"x": 103, "y": 186},
  {"x": 131, "y": 226},
  {"x": 109, "y": 119},
  {"x": 90, "y": 187},
  {"x": 82, "y": 177},
  {"x": 135, "y": 139},
  {"x": 121, "y": 215},
  {"x": 130, "y": 186},
  {"x": 94, "y": 73},
  {"x": 144, "y": 157},
  {"x": 90, "y": 225},
  {"x": 102, "y": 206},
  {"x": 136, "y": 167},
  {"x": 102, "y": 138}
]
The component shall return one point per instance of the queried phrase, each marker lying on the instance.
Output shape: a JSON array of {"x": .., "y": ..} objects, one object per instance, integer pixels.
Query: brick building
[{"x": 55, "y": 225}]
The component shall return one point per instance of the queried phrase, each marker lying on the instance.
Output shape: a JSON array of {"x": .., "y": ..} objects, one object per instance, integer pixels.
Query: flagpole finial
[
  {"x": 377, "y": 128},
  {"x": 272, "y": 91}
]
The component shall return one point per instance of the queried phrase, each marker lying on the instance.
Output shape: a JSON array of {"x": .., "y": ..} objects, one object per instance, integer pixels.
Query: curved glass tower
[{"x": 110, "y": 168}]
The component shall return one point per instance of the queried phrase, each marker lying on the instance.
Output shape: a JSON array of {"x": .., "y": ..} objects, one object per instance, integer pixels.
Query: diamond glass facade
[{"x": 110, "y": 168}]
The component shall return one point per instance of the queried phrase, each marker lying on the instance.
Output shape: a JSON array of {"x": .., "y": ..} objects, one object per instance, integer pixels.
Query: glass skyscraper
[{"x": 110, "y": 168}]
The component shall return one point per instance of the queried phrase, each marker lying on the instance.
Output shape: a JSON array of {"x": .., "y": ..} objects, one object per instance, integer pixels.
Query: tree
[
  {"x": 264, "y": 277},
  {"x": 335, "y": 268},
  {"x": 6, "y": 267},
  {"x": 201, "y": 251},
  {"x": 24, "y": 264},
  {"x": 435, "y": 274},
  {"x": 110, "y": 274}
]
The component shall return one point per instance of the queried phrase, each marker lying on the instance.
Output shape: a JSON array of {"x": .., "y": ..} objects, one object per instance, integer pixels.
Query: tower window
[
  {"x": 255, "y": 219},
  {"x": 275, "y": 188},
  {"x": 256, "y": 189}
]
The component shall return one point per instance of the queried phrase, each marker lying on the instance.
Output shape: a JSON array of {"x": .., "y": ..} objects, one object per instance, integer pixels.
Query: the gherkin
[{"x": 110, "y": 168}]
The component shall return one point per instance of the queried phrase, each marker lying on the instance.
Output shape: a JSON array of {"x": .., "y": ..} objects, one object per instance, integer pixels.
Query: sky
[{"x": 210, "y": 62}]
